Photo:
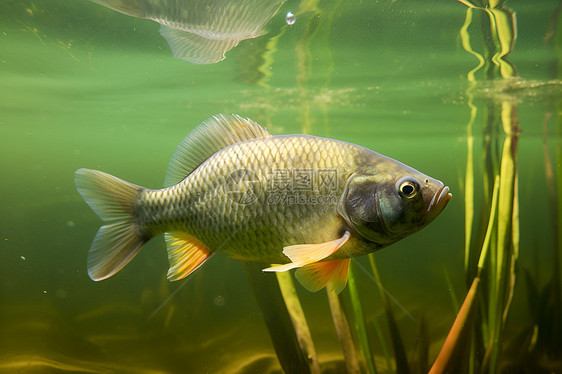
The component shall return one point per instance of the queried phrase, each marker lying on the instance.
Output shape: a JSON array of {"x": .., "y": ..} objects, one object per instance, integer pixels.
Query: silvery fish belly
[{"x": 295, "y": 201}]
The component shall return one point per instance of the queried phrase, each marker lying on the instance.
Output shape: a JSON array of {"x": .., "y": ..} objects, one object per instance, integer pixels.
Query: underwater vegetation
[
  {"x": 88, "y": 86},
  {"x": 476, "y": 342}
]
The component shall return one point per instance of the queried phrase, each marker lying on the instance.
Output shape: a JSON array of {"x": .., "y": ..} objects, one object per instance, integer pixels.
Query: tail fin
[{"x": 118, "y": 240}]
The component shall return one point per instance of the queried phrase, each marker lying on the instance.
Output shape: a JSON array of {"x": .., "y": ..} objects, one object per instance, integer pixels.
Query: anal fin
[
  {"x": 316, "y": 276},
  {"x": 185, "y": 254}
]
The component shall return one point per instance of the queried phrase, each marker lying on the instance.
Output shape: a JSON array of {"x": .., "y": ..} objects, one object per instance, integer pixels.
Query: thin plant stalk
[
  {"x": 501, "y": 242},
  {"x": 455, "y": 336},
  {"x": 559, "y": 200},
  {"x": 382, "y": 343},
  {"x": 469, "y": 252},
  {"x": 283, "y": 316},
  {"x": 505, "y": 254},
  {"x": 344, "y": 332},
  {"x": 465, "y": 39},
  {"x": 460, "y": 331},
  {"x": 400, "y": 357},
  {"x": 490, "y": 227},
  {"x": 554, "y": 197},
  {"x": 359, "y": 321},
  {"x": 294, "y": 308}
]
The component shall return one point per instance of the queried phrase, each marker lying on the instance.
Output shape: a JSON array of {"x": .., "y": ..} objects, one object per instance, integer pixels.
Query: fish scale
[{"x": 255, "y": 223}]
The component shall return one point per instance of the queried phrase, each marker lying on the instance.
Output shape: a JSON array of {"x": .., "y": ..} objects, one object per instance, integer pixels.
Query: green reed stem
[
  {"x": 294, "y": 308},
  {"x": 505, "y": 254},
  {"x": 400, "y": 357},
  {"x": 469, "y": 188},
  {"x": 490, "y": 232},
  {"x": 382, "y": 343},
  {"x": 284, "y": 319},
  {"x": 344, "y": 332},
  {"x": 499, "y": 252},
  {"x": 465, "y": 39},
  {"x": 490, "y": 227},
  {"x": 555, "y": 192},
  {"x": 360, "y": 321},
  {"x": 460, "y": 334}
]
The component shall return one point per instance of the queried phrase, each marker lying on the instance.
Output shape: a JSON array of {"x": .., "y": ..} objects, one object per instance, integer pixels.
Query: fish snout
[{"x": 439, "y": 200}]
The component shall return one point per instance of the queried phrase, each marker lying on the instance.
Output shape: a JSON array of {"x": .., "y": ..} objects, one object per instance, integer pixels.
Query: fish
[
  {"x": 201, "y": 31},
  {"x": 291, "y": 201}
]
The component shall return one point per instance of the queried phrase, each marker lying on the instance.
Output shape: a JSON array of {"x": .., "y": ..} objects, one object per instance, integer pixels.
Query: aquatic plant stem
[
  {"x": 451, "y": 345},
  {"x": 459, "y": 331},
  {"x": 400, "y": 357},
  {"x": 500, "y": 248},
  {"x": 344, "y": 333},
  {"x": 359, "y": 321},
  {"x": 465, "y": 39},
  {"x": 559, "y": 184},
  {"x": 555, "y": 201},
  {"x": 382, "y": 343},
  {"x": 505, "y": 254},
  {"x": 287, "y": 327},
  {"x": 469, "y": 187},
  {"x": 490, "y": 227},
  {"x": 294, "y": 307}
]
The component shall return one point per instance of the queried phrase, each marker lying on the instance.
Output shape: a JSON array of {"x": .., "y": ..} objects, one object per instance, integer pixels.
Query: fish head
[{"x": 387, "y": 202}]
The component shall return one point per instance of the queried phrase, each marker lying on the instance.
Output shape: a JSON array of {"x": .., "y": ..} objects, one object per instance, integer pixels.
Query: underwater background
[{"x": 468, "y": 92}]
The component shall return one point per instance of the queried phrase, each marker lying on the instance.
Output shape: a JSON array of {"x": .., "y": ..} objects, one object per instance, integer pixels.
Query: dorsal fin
[{"x": 209, "y": 137}]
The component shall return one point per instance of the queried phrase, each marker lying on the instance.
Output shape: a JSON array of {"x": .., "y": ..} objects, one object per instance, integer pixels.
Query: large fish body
[{"x": 298, "y": 201}]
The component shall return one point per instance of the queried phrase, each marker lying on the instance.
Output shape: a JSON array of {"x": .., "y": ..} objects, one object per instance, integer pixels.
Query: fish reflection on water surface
[
  {"x": 296, "y": 201},
  {"x": 201, "y": 31}
]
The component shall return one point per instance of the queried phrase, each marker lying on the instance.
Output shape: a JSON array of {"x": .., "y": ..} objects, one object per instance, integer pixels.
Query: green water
[{"x": 84, "y": 86}]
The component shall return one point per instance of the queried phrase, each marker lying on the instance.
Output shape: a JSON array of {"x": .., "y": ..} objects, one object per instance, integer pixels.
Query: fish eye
[{"x": 408, "y": 189}]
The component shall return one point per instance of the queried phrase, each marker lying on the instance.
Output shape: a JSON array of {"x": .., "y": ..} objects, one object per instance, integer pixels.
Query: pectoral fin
[
  {"x": 185, "y": 254},
  {"x": 304, "y": 254},
  {"x": 316, "y": 276}
]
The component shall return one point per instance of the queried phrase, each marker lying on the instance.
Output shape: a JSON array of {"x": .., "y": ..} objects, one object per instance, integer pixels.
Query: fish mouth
[{"x": 439, "y": 201}]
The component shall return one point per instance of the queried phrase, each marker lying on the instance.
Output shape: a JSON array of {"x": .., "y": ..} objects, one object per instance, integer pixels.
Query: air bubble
[
  {"x": 219, "y": 301},
  {"x": 290, "y": 18}
]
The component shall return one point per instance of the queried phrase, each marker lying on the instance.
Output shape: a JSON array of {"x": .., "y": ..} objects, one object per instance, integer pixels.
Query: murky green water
[{"x": 84, "y": 86}]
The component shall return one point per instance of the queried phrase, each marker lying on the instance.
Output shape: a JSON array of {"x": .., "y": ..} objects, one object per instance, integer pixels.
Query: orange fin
[
  {"x": 302, "y": 254},
  {"x": 316, "y": 276},
  {"x": 185, "y": 254}
]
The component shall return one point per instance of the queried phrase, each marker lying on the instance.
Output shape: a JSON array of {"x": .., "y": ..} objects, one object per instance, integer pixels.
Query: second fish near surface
[
  {"x": 295, "y": 201},
  {"x": 202, "y": 31}
]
